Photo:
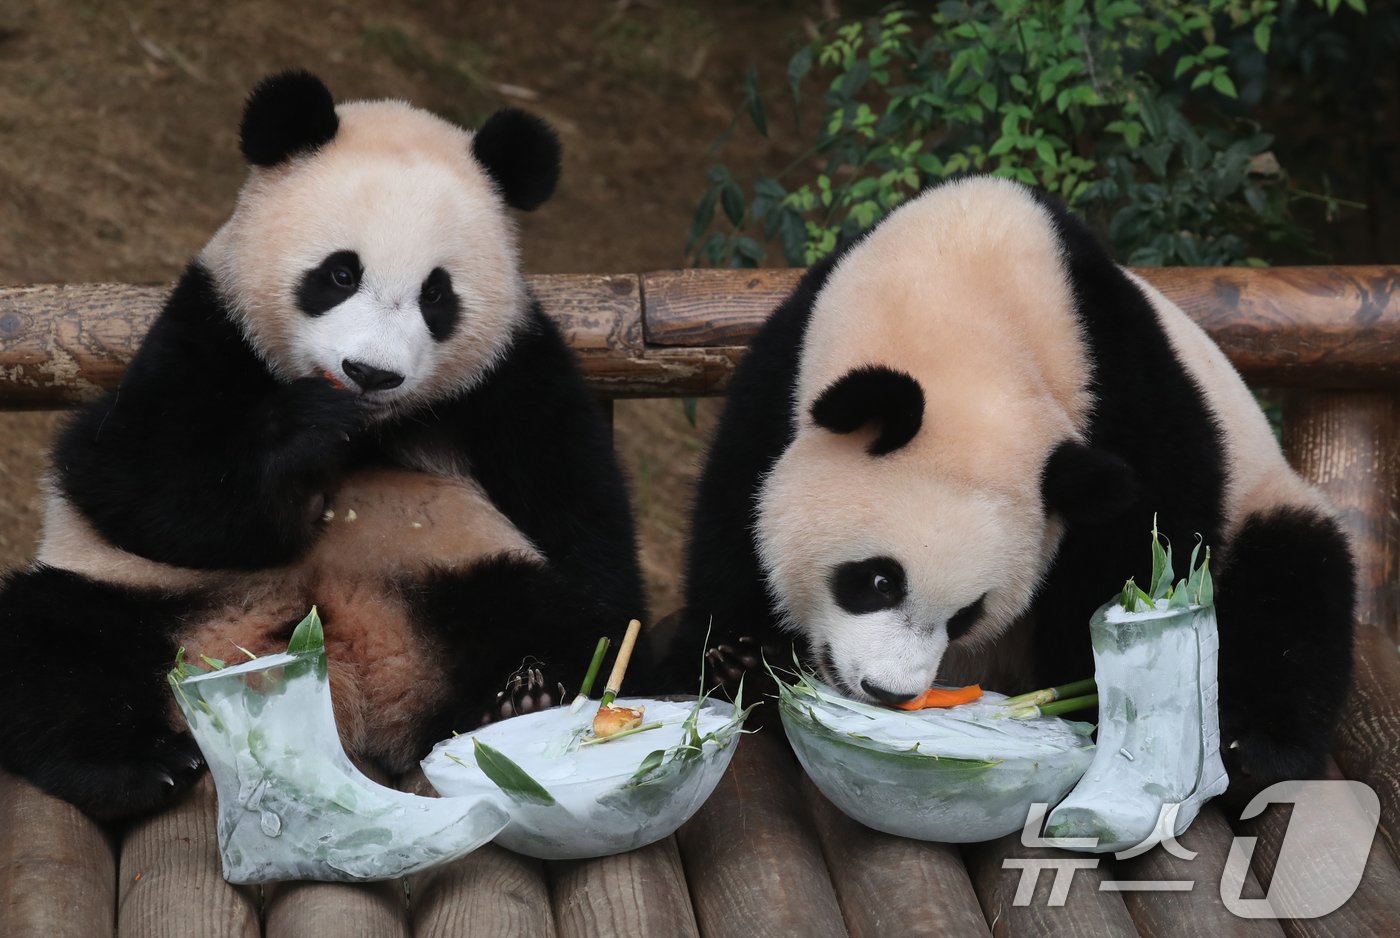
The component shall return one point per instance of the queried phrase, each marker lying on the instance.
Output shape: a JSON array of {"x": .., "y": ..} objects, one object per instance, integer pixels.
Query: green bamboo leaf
[
  {"x": 649, "y": 764},
  {"x": 509, "y": 777},
  {"x": 308, "y": 635}
]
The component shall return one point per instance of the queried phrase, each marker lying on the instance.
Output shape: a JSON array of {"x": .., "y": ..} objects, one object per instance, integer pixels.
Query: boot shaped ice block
[
  {"x": 291, "y": 804},
  {"x": 1159, "y": 730}
]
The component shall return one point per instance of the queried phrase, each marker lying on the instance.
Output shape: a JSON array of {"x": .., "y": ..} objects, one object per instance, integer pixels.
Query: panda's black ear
[
  {"x": 873, "y": 393},
  {"x": 287, "y": 113},
  {"x": 1087, "y": 485},
  {"x": 521, "y": 154}
]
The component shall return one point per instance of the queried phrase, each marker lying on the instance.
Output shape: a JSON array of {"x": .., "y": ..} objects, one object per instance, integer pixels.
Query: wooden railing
[{"x": 767, "y": 854}]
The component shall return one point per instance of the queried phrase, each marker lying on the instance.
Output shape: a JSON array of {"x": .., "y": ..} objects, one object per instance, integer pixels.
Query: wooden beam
[
  {"x": 58, "y": 868},
  {"x": 680, "y": 333}
]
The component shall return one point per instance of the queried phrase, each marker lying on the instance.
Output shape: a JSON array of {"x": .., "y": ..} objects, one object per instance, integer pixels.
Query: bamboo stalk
[
  {"x": 1051, "y": 694},
  {"x": 1055, "y": 708},
  {"x": 624, "y": 655},
  {"x": 593, "y": 666}
]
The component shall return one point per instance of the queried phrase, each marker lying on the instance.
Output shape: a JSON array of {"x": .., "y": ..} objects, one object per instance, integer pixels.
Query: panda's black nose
[
  {"x": 883, "y": 695},
  {"x": 370, "y": 378}
]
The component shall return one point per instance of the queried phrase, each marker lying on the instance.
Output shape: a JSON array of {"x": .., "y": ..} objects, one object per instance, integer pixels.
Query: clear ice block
[
  {"x": 291, "y": 804},
  {"x": 1159, "y": 732},
  {"x": 957, "y": 775},
  {"x": 599, "y": 807}
]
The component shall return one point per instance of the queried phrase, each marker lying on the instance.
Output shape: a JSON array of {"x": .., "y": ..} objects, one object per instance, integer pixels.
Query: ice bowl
[
  {"x": 956, "y": 775},
  {"x": 602, "y": 799}
]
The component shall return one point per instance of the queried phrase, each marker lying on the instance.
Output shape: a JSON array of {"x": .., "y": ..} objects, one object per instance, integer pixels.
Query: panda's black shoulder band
[
  {"x": 873, "y": 394},
  {"x": 288, "y": 113}
]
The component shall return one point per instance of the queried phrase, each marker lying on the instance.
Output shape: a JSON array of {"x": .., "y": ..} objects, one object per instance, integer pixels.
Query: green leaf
[
  {"x": 753, "y": 101},
  {"x": 308, "y": 635},
  {"x": 1222, "y": 83},
  {"x": 1161, "y": 565},
  {"x": 1202, "y": 78},
  {"x": 649, "y": 764},
  {"x": 987, "y": 94},
  {"x": 798, "y": 67},
  {"x": 215, "y": 663},
  {"x": 509, "y": 777},
  {"x": 732, "y": 198},
  {"x": 1184, "y": 65},
  {"x": 1261, "y": 37}
]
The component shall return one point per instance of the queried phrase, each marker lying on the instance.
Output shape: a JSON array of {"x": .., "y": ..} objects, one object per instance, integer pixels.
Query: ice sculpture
[
  {"x": 1158, "y": 756},
  {"x": 573, "y": 797},
  {"x": 956, "y": 775},
  {"x": 291, "y": 804}
]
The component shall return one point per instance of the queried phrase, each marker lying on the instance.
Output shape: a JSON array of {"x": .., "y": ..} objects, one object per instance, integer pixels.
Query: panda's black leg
[
  {"x": 518, "y": 638},
  {"x": 82, "y": 689},
  {"x": 740, "y": 663},
  {"x": 1285, "y": 608}
]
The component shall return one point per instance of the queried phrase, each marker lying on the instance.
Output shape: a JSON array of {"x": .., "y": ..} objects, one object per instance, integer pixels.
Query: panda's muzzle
[
  {"x": 887, "y": 697},
  {"x": 370, "y": 378}
]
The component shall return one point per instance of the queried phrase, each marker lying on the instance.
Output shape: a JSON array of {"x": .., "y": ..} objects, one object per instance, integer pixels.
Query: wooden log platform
[{"x": 768, "y": 854}]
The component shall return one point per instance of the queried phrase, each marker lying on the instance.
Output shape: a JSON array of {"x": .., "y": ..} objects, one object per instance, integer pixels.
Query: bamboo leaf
[
  {"x": 649, "y": 764},
  {"x": 509, "y": 777},
  {"x": 308, "y": 635}
]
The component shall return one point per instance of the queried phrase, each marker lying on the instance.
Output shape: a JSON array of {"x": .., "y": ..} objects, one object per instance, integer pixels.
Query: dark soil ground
[{"x": 118, "y": 153}]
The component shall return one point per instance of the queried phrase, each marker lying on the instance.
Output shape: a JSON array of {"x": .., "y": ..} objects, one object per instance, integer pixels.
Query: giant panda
[
  {"x": 350, "y": 399},
  {"x": 945, "y": 449}
]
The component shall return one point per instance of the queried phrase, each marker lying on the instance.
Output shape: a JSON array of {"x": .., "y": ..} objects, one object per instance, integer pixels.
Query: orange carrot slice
[
  {"x": 335, "y": 382},
  {"x": 943, "y": 697}
]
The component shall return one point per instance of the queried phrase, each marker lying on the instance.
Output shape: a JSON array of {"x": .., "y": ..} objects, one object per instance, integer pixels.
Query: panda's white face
[
  {"x": 879, "y": 564},
  {"x": 384, "y": 260}
]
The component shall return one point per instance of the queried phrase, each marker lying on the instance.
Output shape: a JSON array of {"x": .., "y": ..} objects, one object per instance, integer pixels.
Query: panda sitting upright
[
  {"x": 945, "y": 449},
  {"x": 350, "y": 399}
]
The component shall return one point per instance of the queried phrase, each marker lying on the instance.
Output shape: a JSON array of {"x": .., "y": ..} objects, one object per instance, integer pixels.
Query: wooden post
[{"x": 1347, "y": 443}]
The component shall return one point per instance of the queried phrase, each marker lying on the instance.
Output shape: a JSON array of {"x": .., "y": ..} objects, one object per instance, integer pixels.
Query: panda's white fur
[{"x": 400, "y": 184}]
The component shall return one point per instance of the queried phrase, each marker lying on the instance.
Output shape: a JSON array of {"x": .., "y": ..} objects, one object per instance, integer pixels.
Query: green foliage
[
  {"x": 1113, "y": 105},
  {"x": 1194, "y": 590}
]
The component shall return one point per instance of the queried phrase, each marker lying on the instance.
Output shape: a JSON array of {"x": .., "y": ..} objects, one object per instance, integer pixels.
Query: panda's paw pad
[
  {"x": 729, "y": 663},
  {"x": 528, "y": 691}
]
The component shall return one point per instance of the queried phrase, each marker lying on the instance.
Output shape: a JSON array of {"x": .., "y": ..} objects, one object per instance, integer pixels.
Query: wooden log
[
  {"x": 170, "y": 881},
  {"x": 1371, "y": 910},
  {"x": 894, "y": 886},
  {"x": 1281, "y": 326},
  {"x": 1367, "y": 746},
  {"x": 1086, "y": 909},
  {"x": 1348, "y": 444},
  {"x": 490, "y": 891},
  {"x": 58, "y": 868},
  {"x": 751, "y": 856},
  {"x": 1197, "y": 912},
  {"x": 679, "y": 333},
  {"x": 336, "y": 910},
  {"x": 65, "y": 343},
  {"x": 641, "y": 892}
]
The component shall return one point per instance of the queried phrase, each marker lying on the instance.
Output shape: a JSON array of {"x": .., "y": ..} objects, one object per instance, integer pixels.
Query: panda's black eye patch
[
  {"x": 439, "y": 304},
  {"x": 965, "y": 618},
  {"x": 330, "y": 283},
  {"x": 869, "y": 585}
]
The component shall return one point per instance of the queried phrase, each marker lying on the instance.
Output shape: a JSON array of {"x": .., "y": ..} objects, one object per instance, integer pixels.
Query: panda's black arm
[
  {"x": 538, "y": 443},
  {"x": 200, "y": 458},
  {"x": 725, "y": 595}
]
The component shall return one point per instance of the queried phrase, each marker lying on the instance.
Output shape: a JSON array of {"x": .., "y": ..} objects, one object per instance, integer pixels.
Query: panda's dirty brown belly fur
[{"x": 385, "y": 531}]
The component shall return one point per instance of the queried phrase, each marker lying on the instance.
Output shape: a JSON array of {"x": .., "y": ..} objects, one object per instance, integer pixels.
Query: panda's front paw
[
  {"x": 527, "y": 691},
  {"x": 313, "y": 414},
  {"x": 144, "y": 776},
  {"x": 730, "y": 665},
  {"x": 1254, "y": 761}
]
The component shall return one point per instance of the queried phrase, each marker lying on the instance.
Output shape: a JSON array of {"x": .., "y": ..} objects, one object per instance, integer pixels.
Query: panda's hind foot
[{"x": 527, "y": 691}]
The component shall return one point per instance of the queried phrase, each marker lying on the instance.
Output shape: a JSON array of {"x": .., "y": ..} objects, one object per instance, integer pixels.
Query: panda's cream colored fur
[{"x": 401, "y": 185}]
